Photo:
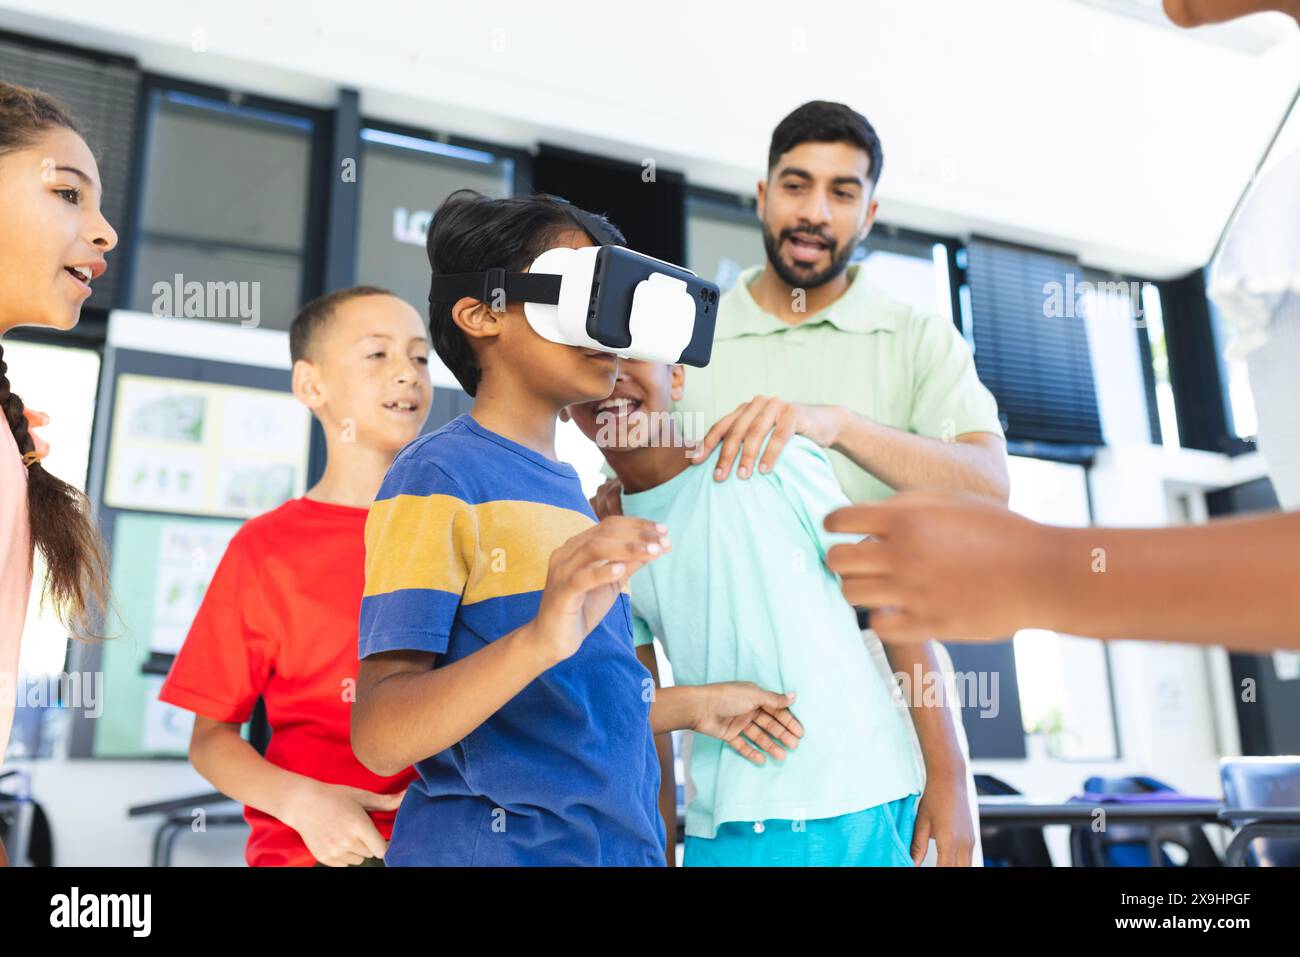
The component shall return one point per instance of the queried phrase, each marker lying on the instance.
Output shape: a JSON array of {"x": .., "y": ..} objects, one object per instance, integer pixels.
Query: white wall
[{"x": 1044, "y": 121}]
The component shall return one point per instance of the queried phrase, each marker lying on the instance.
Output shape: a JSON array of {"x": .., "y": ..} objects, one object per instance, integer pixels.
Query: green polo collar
[{"x": 861, "y": 309}]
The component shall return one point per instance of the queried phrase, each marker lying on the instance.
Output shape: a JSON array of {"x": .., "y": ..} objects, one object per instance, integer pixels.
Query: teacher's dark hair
[
  {"x": 63, "y": 529},
  {"x": 821, "y": 121}
]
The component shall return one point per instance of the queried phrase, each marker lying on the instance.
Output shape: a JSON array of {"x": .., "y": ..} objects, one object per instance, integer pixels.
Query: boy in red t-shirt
[{"x": 280, "y": 619}]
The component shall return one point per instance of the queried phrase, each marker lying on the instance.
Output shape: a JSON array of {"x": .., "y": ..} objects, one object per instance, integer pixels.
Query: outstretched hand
[{"x": 942, "y": 565}]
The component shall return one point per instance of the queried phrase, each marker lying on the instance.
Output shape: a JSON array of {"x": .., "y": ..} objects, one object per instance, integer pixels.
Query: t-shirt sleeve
[
  {"x": 229, "y": 652},
  {"x": 948, "y": 398},
  {"x": 421, "y": 542},
  {"x": 805, "y": 475}
]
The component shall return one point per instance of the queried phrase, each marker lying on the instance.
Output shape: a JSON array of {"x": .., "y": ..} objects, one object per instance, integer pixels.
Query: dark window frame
[
  {"x": 1197, "y": 370},
  {"x": 743, "y": 211},
  {"x": 1092, "y": 274},
  {"x": 522, "y": 159},
  {"x": 319, "y": 165}
]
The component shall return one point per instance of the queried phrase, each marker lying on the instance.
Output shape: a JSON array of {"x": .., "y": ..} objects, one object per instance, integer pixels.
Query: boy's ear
[
  {"x": 564, "y": 414},
  {"x": 476, "y": 319},
  {"x": 307, "y": 386},
  {"x": 678, "y": 379}
]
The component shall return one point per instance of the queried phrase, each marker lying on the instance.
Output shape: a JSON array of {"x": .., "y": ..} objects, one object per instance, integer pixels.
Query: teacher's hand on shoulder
[{"x": 743, "y": 431}]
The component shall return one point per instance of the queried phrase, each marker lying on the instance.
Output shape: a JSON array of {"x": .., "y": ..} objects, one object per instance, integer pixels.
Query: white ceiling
[{"x": 1079, "y": 125}]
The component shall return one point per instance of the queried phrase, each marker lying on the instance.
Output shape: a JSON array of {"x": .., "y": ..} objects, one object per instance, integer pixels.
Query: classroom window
[
  {"x": 723, "y": 237},
  {"x": 403, "y": 181},
  {"x": 1114, "y": 317},
  {"x": 1165, "y": 405},
  {"x": 1031, "y": 342},
  {"x": 225, "y": 200},
  {"x": 1064, "y": 680},
  {"x": 913, "y": 272}
]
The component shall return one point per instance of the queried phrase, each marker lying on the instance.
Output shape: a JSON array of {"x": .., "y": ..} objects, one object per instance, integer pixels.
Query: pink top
[{"x": 15, "y": 573}]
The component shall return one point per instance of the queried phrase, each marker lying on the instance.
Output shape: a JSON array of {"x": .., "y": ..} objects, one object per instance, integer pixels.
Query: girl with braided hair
[{"x": 53, "y": 239}]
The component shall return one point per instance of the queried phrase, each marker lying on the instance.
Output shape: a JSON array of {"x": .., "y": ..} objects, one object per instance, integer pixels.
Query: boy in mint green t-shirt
[{"x": 745, "y": 595}]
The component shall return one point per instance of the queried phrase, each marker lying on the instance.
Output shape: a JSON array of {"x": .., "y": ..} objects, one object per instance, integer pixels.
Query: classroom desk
[
  {"x": 1015, "y": 811},
  {"x": 1007, "y": 811},
  {"x": 1012, "y": 810},
  {"x": 178, "y": 817},
  {"x": 1279, "y": 822}
]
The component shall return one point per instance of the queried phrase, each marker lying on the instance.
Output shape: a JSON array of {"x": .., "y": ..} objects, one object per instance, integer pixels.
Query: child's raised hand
[
  {"x": 749, "y": 718},
  {"x": 586, "y": 574},
  {"x": 332, "y": 821}
]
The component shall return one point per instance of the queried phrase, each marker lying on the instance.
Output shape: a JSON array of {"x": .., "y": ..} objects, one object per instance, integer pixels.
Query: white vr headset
[{"x": 606, "y": 298}]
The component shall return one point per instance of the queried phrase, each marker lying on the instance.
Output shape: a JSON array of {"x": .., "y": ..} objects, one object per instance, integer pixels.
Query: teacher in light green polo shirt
[
  {"x": 805, "y": 345},
  {"x": 892, "y": 393}
]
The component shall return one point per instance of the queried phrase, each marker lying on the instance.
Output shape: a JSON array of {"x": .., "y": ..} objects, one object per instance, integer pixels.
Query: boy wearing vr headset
[{"x": 495, "y": 636}]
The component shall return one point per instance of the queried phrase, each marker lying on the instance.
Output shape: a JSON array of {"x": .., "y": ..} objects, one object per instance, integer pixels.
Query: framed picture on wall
[{"x": 201, "y": 448}]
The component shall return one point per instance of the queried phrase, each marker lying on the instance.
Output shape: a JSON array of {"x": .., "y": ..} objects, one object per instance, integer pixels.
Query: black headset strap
[
  {"x": 483, "y": 286},
  {"x": 517, "y": 286}
]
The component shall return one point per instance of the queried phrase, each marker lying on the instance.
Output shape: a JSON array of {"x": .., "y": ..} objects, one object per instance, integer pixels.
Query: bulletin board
[
  {"x": 202, "y": 448},
  {"x": 161, "y": 567},
  {"x": 188, "y": 444}
]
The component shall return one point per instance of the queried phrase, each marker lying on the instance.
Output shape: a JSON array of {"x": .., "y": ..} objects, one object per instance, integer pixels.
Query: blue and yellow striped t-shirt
[{"x": 457, "y": 549}]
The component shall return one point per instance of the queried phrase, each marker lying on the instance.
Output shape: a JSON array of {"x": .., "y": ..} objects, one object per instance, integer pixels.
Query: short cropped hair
[{"x": 316, "y": 315}]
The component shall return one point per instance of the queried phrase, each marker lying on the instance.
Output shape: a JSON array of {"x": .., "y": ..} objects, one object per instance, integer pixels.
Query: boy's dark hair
[
  {"x": 471, "y": 232},
  {"x": 316, "y": 315},
  {"x": 820, "y": 121}
]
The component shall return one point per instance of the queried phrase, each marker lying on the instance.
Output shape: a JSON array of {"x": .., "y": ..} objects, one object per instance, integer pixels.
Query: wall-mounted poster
[
  {"x": 161, "y": 567},
  {"x": 204, "y": 449},
  {"x": 187, "y": 555}
]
